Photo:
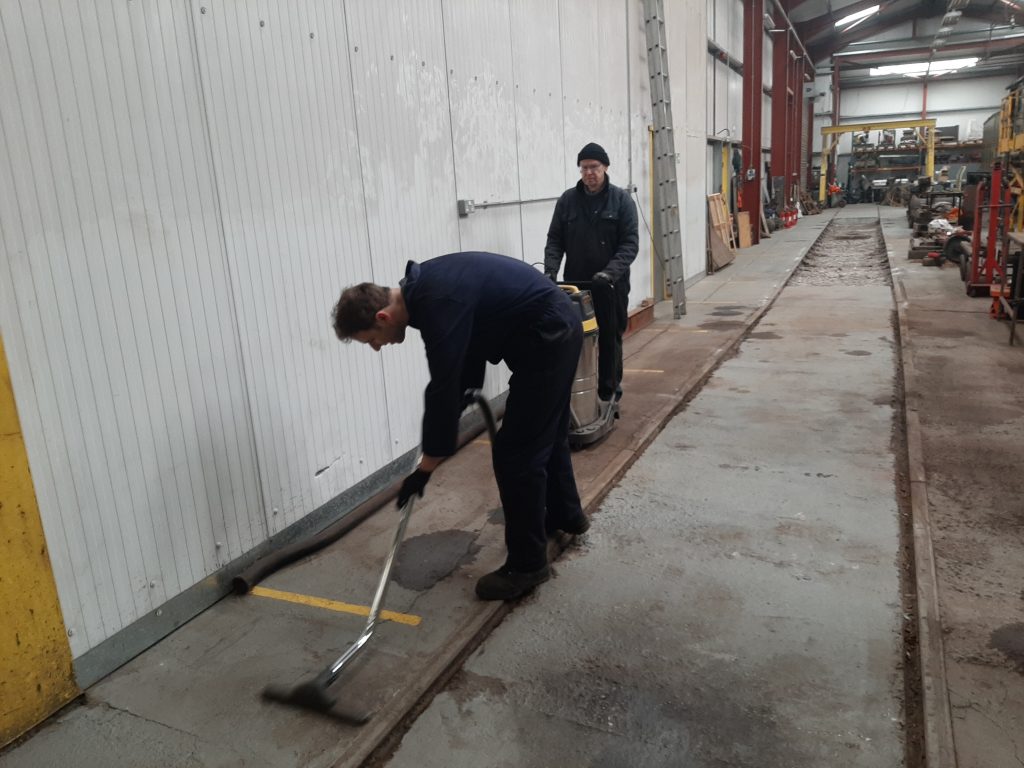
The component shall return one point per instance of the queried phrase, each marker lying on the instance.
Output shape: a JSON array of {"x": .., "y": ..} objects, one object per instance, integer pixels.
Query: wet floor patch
[
  {"x": 1009, "y": 639},
  {"x": 849, "y": 252},
  {"x": 721, "y": 325},
  {"x": 425, "y": 560}
]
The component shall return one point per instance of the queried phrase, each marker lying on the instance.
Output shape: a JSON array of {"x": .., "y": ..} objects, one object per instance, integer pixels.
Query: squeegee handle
[
  {"x": 378, "y": 597},
  {"x": 330, "y": 674}
]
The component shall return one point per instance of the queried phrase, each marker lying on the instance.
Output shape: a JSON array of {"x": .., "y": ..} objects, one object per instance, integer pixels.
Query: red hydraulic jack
[{"x": 987, "y": 273}]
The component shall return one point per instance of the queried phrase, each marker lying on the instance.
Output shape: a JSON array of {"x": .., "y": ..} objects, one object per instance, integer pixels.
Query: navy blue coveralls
[{"x": 475, "y": 307}]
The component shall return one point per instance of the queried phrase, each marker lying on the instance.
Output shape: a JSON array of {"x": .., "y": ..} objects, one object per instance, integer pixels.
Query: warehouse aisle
[
  {"x": 193, "y": 699},
  {"x": 738, "y": 598},
  {"x": 964, "y": 387}
]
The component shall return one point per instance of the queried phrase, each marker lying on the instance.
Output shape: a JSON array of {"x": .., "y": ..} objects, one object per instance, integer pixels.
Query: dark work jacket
[
  {"x": 605, "y": 243},
  {"x": 471, "y": 308}
]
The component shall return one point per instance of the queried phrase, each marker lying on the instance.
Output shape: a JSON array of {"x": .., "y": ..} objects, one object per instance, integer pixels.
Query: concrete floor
[
  {"x": 969, "y": 397},
  {"x": 737, "y": 600},
  {"x": 194, "y": 698}
]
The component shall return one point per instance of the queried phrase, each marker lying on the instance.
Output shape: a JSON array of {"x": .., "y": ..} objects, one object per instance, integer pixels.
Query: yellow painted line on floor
[
  {"x": 642, "y": 370},
  {"x": 334, "y": 605}
]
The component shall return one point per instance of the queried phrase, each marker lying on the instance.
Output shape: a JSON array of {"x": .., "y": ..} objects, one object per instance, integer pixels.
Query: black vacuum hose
[{"x": 259, "y": 570}]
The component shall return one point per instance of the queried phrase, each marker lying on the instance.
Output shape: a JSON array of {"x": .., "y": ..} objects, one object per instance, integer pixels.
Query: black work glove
[
  {"x": 603, "y": 277},
  {"x": 414, "y": 483},
  {"x": 552, "y": 276}
]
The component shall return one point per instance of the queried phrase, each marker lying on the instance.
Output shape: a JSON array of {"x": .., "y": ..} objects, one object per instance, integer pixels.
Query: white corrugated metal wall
[
  {"x": 724, "y": 28},
  {"x": 117, "y": 309},
  {"x": 185, "y": 189}
]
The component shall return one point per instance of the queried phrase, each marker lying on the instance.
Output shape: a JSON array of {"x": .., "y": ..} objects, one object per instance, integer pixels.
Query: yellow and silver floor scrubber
[{"x": 591, "y": 418}]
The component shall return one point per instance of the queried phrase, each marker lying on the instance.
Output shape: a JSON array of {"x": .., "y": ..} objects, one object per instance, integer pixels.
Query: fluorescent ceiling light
[
  {"x": 858, "y": 16},
  {"x": 918, "y": 69}
]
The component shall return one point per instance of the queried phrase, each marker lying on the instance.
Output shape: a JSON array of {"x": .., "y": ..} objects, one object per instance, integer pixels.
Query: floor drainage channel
[{"x": 849, "y": 252}]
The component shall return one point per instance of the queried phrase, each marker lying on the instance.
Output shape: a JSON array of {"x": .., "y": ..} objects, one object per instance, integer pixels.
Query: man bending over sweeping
[{"x": 471, "y": 308}]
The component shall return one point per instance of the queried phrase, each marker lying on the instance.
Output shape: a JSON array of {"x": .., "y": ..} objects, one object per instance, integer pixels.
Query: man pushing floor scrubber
[
  {"x": 594, "y": 226},
  {"x": 471, "y": 308}
]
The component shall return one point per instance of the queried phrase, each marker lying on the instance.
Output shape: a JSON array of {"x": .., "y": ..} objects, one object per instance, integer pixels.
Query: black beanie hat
[{"x": 593, "y": 152}]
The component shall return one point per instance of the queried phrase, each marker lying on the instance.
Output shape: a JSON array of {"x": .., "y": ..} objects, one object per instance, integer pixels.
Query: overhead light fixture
[
  {"x": 857, "y": 17},
  {"x": 951, "y": 18},
  {"x": 792, "y": 54},
  {"x": 922, "y": 68}
]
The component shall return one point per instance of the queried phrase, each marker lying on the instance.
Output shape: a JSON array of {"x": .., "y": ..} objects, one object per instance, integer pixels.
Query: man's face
[
  {"x": 386, "y": 331},
  {"x": 592, "y": 172}
]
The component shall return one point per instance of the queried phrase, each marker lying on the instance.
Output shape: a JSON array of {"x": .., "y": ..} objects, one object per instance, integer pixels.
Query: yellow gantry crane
[{"x": 830, "y": 138}]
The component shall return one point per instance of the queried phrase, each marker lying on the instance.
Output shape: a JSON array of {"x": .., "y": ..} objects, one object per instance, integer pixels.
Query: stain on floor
[{"x": 425, "y": 560}]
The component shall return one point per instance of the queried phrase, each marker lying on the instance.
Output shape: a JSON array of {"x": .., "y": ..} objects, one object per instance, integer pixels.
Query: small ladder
[{"x": 666, "y": 193}]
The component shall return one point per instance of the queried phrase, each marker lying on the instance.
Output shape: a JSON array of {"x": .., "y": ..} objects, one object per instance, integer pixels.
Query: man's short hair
[{"x": 357, "y": 309}]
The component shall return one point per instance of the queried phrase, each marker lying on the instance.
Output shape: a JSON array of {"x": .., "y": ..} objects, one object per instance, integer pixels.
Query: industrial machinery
[
  {"x": 591, "y": 418},
  {"x": 926, "y": 207},
  {"x": 999, "y": 210}
]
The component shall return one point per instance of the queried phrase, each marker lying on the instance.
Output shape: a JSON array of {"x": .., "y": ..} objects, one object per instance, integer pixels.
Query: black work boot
[
  {"x": 506, "y": 584},
  {"x": 575, "y": 527}
]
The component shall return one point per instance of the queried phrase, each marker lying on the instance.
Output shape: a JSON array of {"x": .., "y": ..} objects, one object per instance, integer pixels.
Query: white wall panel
[
  {"x": 880, "y": 100},
  {"x": 712, "y": 167},
  {"x": 118, "y": 311},
  {"x": 640, "y": 122},
  {"x": 981, "y": 93},
  {"x": 594, "y": 90},
  {"x": 723, "y": 80},
  {"x": 400, "y": 87},
  {"x": 720, "y": 27},
  {"x": 711, "y": 71},
  {"x": 767, "y": 70},
  {"x": 543, "y": 159},
  {"x": 691, "y": 71},
  {"x": 534, "y": 220},
  {"x": 283, "y": 135},
  {"x": 481, "y": 91},
  {"x": 498, "y": 230},
  {"x": 736, "y": 12},
  {"x": 735, "y": 104},
  {"x": 766, "y": 121}
]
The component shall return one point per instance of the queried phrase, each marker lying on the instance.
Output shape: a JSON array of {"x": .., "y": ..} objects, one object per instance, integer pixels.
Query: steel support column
[
  {"x": 781, "y": 105},
  {"x": 796, "y": 124},
  {"x": 753, "y": 56},
  {"x": 787, "y": 98}
]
